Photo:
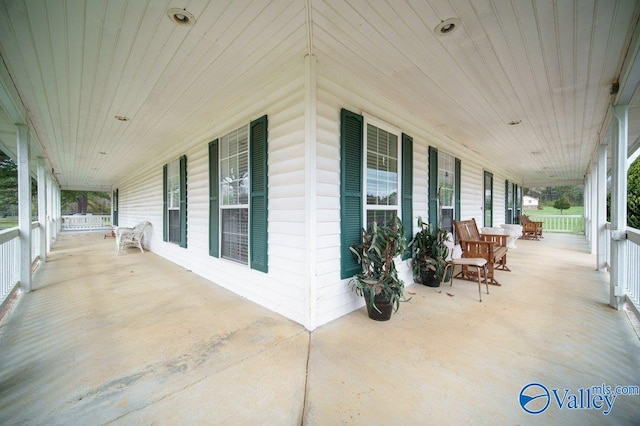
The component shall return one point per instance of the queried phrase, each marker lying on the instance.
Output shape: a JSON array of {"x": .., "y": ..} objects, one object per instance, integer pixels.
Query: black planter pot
[
  {"x": 384, "y": 306},
  {"x": 430, "y": 279}
]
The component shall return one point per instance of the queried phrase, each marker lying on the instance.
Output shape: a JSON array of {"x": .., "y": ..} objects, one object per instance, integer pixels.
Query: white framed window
[
  {"x": 382, "y": 178},
  {"x": 446, "y": 189},
  {"x": 173, "y": 201},
  {"x": 234, "y": 195}
]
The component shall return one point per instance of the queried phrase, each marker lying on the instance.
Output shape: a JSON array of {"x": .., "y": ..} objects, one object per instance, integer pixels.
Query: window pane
[
  {"x": 174, "y": 226},
  {"x": 447, "y": 219},
  {"x": 234, "y": 190},
  {"x": 235, "y": 242},
  {"x": 446, "y": 179},
  {"x": 381, "y": 217},
  {"x": 234, "y": 168},
  {"x": 382, "y": 167},
  {"x": 173, "y": 184}
]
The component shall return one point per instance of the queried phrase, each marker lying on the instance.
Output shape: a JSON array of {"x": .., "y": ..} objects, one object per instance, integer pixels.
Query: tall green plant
[
  {"x": 375, "y": 254},
  {"x": 428, "y": 251}
]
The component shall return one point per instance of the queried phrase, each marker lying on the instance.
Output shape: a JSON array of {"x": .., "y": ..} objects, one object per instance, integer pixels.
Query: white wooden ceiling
[{"x": 77, "y": 64}]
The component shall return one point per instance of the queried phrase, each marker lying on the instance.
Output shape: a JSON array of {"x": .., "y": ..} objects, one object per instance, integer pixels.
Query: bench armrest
[{"x": 499, "y": 239}]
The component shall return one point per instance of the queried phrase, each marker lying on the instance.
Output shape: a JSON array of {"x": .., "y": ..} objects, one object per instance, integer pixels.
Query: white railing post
[{"x": 24, "y": 208}]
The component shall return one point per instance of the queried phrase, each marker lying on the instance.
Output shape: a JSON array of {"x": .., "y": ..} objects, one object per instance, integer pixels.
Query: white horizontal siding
[
  {"x": 286, "y": 288},
  {"x": 335, "y": 297},
  {"x": 283, "y": 289},
  {"x": 471, "y": 188},
  {"x": 498, "y": 199}
]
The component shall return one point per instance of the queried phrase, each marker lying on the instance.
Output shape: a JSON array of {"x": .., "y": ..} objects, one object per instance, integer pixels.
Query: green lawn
[
  {"x": 573, "y": 210},
  {"x": 8, "y": 222}
]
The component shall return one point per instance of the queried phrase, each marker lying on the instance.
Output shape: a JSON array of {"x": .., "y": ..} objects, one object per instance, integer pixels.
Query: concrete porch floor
[{"x": 135, "y": 339}]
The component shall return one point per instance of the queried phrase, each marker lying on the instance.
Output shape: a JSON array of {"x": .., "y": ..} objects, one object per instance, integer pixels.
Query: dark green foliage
[
  {"x": 633, "y": 195},
  {"x": 428, "y": 251},
  {"x": 375, "y": 254},
  {"x": 95, "y": 202},
  {"x": 561, "y": 204},
  {"x": 8, "y": 184},
  {"x": 547, "y": 195}
]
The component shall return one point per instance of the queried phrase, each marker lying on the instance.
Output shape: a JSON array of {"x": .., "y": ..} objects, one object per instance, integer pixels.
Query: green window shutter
[
  {"x": 433, "y": 187},
  {"x": 458, "y": 190},
  {"x": 258, "y": 237},
  {"x": 407, "y": 190},
  {"x": 165, "y": 217},
  {"x": 351, "y": 157},
  {"x": 214, "y": 206},
  {"x": 507, "y": 219},
  {"x": 183, "y": 201},
  {"x": 115, "y": 208}
]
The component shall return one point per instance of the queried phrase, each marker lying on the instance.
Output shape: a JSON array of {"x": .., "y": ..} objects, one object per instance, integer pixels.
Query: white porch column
[
  {"x": 595, "y": 205},
  {"x": 601, "y": 207},
  {"x": 311, "y": 178},
  {"x": 49, "y": 213},
  {"x": 586, "y": 196},
  {"x": 619, "y": 205},
  {"x": 24, "y": 208},
  {"x": 42, "y": 210}
]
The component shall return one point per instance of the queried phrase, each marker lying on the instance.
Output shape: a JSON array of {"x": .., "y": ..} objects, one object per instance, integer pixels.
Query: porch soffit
[{"x": 549, "y": 65}]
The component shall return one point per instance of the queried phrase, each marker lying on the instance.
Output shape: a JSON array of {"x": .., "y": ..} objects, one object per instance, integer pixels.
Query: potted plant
[
  {"x": 429, "y": 253},
  {"x": 378, "y": 281}
]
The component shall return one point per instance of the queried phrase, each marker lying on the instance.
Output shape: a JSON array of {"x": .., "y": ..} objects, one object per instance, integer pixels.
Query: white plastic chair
[{"x": 131, "y": 237}]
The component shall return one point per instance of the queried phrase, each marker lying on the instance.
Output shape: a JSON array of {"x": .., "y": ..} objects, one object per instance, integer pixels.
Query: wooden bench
[
  {"x": 492, "y": 247},
  {"x": 531, "y": 230}
]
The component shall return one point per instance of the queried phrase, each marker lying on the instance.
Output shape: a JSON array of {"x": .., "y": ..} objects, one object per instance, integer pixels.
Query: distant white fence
[
  {"x": 573, "y": 224},
  {"x": 85, "y": 222}
]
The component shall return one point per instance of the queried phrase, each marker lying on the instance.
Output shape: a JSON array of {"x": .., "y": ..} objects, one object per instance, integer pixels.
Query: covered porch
[{"x": 136, "y": 339}]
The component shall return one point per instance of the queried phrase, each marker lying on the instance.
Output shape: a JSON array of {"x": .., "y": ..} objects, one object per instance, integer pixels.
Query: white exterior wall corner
[
  {"x": 283, "y": 288},
  {"x": 335, "y": 91},
  {"x": 286, "y": 288}
]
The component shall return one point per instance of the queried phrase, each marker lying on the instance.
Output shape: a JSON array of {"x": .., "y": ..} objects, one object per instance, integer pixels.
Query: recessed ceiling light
[
  {"x": 514, "y": 122},
  {"x": 181, "y": 16},
  {"x": 447, "y": 26},
  {"x": 122, "y": 118}
]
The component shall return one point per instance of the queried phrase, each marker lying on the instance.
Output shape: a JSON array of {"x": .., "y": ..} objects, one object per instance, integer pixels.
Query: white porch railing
[
  {"x": 10, "y": 258},
  {"x": 632, "y": 286},
  {"x": 88, "y": 222},
  {"x": 573, "y": 224}
]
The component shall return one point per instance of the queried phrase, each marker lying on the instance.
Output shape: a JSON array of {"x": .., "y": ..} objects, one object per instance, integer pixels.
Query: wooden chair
[
  {"x": 491, "y": 247},
  {"x": 454, "y": 260},
  {"x": 531, "y": 230},
  {"x": 131, "y": 237}
]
